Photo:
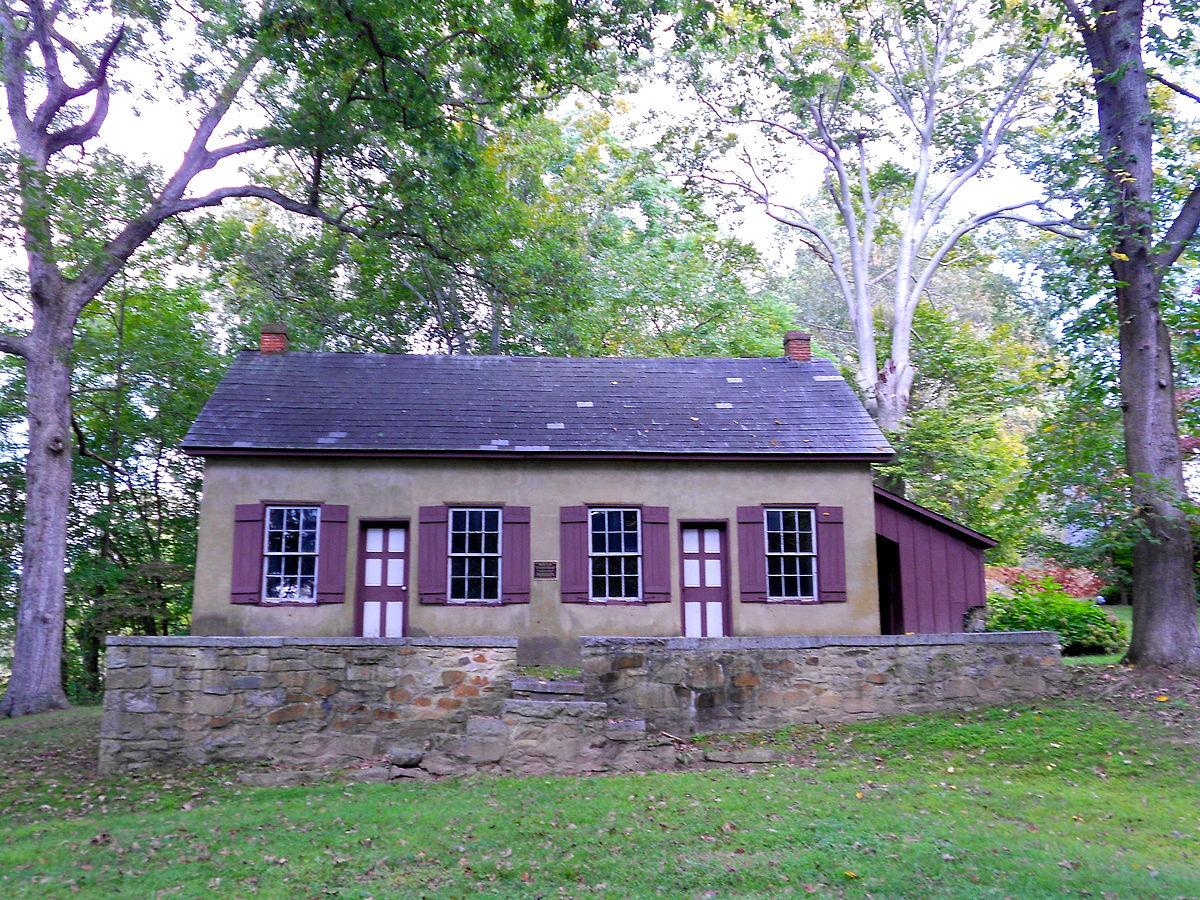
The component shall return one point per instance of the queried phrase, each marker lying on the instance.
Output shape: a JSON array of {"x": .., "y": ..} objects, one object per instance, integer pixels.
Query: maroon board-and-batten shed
[{"x": 930, "y": 567}]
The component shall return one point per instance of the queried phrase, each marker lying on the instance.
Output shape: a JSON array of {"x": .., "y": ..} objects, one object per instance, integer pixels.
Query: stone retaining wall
[
  {"x": 442, "y": 705},
  {"x": 686, "y": 686},
  {"x": 300, "y": 702}
]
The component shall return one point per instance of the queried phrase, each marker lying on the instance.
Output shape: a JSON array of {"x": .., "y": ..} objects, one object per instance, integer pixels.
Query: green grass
[{"x": 1027, "y": 803}]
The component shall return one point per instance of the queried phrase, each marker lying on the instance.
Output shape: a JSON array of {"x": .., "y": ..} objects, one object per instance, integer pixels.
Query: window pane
[{"x": 374, "y": 540}]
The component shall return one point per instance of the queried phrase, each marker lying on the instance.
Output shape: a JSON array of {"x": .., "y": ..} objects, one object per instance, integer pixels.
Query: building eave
[
  {"x": 690, "y": 456},
  {"x": 915, "y": 509}
]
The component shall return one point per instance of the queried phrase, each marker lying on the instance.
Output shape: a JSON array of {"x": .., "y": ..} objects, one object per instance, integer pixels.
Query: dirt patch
[{"x": 1135, "y": 693}]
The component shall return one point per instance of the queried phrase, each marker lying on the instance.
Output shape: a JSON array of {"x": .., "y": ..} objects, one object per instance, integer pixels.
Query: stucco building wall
[{"x": 394, "y": 489}]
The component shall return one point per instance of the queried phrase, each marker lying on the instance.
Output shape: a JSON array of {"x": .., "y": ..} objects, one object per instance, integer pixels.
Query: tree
[
  {"x": 561, "y": 238},
  {"x": 902, "y": 106},
  {"x": 1146, "y": 228},
  {"x": 330, "y": 77},
  {"x": 145, "y": 362},
  {"x": 963, "y": 453}
]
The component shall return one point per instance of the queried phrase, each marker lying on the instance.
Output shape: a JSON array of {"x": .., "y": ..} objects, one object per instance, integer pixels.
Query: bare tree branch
[
  {"x": 252, "y": 191},
  {"x": 60, "y": 94},
  {"x": 1180, "y": 232},
  {"x": 1082, "y": 22},
  {"x": 86, "y": 451},
  {"x": 244, "y": 147},
  {"x": 16, "y": 344},
  {"x": 196, "y": 159},
  {"x": 1177, "y": 88}
]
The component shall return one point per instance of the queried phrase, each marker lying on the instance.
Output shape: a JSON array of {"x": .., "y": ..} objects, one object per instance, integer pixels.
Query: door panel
[
  {"x": 382, "y": 579},
  {"x": 705, "y": 596}
]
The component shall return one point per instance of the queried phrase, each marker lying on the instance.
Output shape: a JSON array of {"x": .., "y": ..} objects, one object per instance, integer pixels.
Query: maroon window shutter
[
  {"x": 831, "y": 555},
  {"x": 573, "y": 553},
  {"x": 752, "y": 554},
  {"x": 656, "y": 554},
  {"x": 431, "y": 558},
  {"x": 515, "y": 565},
  {"x": 331, "y": 566},
  {"x": 246, "y": 584}
]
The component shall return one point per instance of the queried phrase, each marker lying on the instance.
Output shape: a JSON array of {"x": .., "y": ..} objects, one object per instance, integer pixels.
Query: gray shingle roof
[{"x": 377, "y": 403}]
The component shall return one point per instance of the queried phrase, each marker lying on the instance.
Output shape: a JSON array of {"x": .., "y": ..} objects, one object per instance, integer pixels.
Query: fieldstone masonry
[
  {"x": 688, "y": 686},
  {"x": 293, "y": 701},
  {"x": 417, "y": 707}
]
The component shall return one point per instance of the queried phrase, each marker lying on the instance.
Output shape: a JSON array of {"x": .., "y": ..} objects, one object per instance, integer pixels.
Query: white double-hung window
[
  {"x": 290, "y": 548},
  {"x": 615, "y": 554},
  {"x": 791, "y": 554},
  {"x": 474, "y": 555}
]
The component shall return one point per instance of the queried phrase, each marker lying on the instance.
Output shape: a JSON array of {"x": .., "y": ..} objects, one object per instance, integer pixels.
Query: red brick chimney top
[
  {"x": 797, "y": 345},
  {"x": 273, "y": 339}
]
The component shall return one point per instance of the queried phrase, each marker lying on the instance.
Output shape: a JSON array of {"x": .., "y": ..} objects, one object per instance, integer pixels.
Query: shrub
[{"x": 1041, "y": 604}]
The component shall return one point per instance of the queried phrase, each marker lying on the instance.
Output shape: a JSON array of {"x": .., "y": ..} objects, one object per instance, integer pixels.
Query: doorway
[
  {"x": 705, "y": 583},
  {"x": 382, "y": 587},
  {"x": 891, "y": 603}
]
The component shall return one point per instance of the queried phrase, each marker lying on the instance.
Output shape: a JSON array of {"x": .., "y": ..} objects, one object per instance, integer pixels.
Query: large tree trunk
[
  {"x": 1164, "y": 590},
  {"x": 36, "y": 684},
  {"x": 893, "y": 392}
]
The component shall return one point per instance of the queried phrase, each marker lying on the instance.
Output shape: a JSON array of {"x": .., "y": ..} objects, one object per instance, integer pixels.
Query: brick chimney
[
  {"x": 797, "y": 345},
  {"x": 273, "y": 340}
]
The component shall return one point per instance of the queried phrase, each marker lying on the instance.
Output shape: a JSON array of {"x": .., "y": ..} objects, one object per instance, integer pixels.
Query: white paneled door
[
  {"x": 704, "y": 580},
  {"x": 382, "y": 578}
]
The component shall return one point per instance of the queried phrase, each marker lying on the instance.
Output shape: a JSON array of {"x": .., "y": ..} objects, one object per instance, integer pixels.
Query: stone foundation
[
  {"x": 297, "y": 702},
  {"x": 686, "y": 686},
  {"x": 416, "y": 707}
]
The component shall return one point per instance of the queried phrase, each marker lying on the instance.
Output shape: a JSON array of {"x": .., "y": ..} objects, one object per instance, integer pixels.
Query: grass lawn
[{"x": 1062, "y": 800}]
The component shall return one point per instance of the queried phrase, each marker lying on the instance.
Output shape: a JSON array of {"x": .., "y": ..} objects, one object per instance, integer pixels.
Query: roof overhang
[
  {"x": 207, "y": 452},
  {"x": 928, "y": 515}
]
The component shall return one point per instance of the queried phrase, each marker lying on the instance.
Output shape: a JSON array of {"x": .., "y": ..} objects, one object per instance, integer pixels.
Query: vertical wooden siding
[{"x": 941, "y": 573}]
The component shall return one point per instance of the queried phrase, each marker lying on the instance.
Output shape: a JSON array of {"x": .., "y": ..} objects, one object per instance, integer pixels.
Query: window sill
[
  {"x": 473, "y": 604},
  {"x": 813, "y": 602}
]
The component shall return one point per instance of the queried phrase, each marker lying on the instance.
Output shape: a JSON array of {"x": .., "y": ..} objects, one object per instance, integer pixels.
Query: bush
[{"x": 1042, "y": 604}]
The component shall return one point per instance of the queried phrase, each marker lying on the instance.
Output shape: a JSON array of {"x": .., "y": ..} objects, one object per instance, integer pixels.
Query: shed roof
[
  {"x": 367, "y": 404},
  {"x": 937, "y": 520}
]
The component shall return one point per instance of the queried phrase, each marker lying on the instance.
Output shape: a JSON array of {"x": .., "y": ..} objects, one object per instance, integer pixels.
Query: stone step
[{"x": 545, "y": 689}]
